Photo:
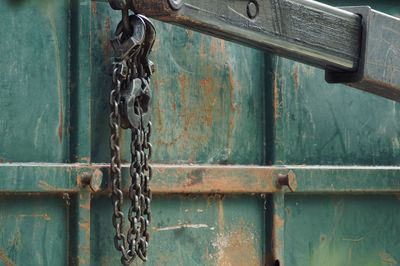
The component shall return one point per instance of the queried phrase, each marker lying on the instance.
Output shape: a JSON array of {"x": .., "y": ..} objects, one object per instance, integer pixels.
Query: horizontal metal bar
[
  {"x": 304, "y": 30},
  {"x": 206, "y": 179}
]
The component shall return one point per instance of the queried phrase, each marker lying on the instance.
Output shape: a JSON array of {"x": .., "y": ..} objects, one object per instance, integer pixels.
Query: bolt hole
[{"x": 277, "y": 263}]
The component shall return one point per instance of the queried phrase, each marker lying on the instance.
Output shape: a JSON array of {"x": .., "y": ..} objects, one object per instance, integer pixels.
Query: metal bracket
[{"x": 379, "y": 65}]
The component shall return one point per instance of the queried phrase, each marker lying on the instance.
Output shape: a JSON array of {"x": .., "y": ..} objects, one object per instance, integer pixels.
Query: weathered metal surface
[
  {"x": 34, "y": 230},
  {"x": 319, "y": 124},
  {"x": 303, "y": 30},
  {"x": 83, "y": 75},
  {"x": 379, "y": 68},
  {"x": 200, "y": 230},
  {"x": 342, "y": 230},
  {"x": 322, "y": 124},
  {"x": 275, "y": 226},
  {"x": 216, "y": 112},
  {"x": 34, "y": 81},
  {"x": 80, "y": 228},
  {"x": 202, "y": 112}
]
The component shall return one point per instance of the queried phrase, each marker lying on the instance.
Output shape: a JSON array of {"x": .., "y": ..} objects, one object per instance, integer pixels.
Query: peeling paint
[{"x": 237, "y": 247}]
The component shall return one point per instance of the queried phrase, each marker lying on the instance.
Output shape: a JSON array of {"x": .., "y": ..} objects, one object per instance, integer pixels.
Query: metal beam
[
  {"x": 343, "y": 42},
  {"x": 203, "y": 179},
  {"x": 304, "y": 30}
]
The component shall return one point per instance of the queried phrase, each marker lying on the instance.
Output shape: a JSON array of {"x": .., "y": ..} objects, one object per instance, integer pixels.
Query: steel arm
[{"x": 360, "y": 47}]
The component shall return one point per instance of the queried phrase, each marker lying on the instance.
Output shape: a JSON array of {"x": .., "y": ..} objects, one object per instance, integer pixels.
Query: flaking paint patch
[{"x": 237, "y": 247}]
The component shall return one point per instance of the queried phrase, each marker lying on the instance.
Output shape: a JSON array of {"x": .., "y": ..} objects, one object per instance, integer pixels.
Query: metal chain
[
  {"x": 140, "y": 192},
  {"x": 119, "y": 78},
  {"x": 126, "y": 71}
]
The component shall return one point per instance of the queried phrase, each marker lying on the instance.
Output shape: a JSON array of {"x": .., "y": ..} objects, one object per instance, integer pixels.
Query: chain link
[{"x": 136, "y": 241}]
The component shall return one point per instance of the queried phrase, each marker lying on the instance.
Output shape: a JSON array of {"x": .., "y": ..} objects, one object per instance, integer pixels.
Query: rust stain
[
  {"x": 202, "y": 49},
  {"x": 60, "y": 125},
  {"x": 79, "y": 181},
  {"x": 278, "y": 222},
  {"x": 213, "y": 46},
  {"x": 85, "y": 206},
  {"x": 296, "y": 77},
  {"x": 237, "y": 247},
  {"x": 208, "y": 87},
  {"x": 277, "y": 242},
  {"x": 387, "y": 258},
  {"x": 86, "y": 228},
  {"x": 5, "y": 259},
  {"x": 222, "y": 46},
  {"x": 93, "y": 7},
  {"x": 45, "y": 186},
  {"x": 217, "y": 180},
  {"x": 105, "y": 39},
  {"x": 276, "y": 97},
  {"x": 232, "y": 87}
]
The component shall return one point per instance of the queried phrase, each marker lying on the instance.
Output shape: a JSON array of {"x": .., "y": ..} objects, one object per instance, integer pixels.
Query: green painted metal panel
[
  {"x": 215, "y": 102},
  {"x": 342, "y": 230},
  {"x": 34, "y": 81},
  {"x": 208, "y": 105},
  {"x": 33, "y": 230},
  {"x": 191, "y": 231}
]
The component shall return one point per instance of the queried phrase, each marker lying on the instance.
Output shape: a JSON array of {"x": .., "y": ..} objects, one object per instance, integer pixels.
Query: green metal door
[{"x": 229, "y": 122}]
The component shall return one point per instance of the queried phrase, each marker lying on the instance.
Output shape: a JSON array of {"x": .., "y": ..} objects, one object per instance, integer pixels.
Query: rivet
[
  {"x": 175, "y": 4},
  {"x": 252, "y": 9}
]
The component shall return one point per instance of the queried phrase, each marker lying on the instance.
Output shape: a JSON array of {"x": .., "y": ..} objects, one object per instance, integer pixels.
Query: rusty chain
[{"x": 130, "y": 109}]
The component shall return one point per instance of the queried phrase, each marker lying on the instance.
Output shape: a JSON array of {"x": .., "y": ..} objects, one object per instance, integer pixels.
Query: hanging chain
[{"x": 130, "y": 109}]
